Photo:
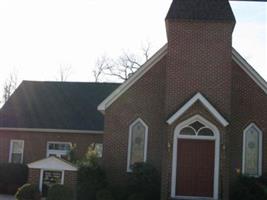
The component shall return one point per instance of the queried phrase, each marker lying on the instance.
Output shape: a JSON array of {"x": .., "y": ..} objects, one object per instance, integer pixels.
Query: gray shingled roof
[
  {"x": 201, "y": 10},
  {"x": 56, "y": 105}
]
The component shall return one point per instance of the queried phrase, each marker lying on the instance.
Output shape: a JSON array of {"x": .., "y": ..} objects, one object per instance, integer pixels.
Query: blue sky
[{"x": 37, "y": 37}]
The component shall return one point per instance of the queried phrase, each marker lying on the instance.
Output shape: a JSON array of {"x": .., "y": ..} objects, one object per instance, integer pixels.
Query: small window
[
  {"x": 16, "y": 151},
  {"x": 252, "y": 151},
  {"x": 58, "y": 149},
  {"x": 137, "y": 148}
]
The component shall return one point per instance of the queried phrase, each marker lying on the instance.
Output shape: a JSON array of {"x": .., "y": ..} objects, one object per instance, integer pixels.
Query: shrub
[
  {"x": 263, "y": 179},
  {"x": 248, "y": 188},
  {"x": 90, "y": 180},
  {"x": 136, "y": 197},
  {"x": 104, "y": 195},
  {"x": 60, "y": 192},
  {"x": 28, "y": 192},
  {"x": 91, "y": 177},
  {"x": 145, "y": 180},
  {"x": 120, "y": 192},
  {"x": 12, "y": 176}
]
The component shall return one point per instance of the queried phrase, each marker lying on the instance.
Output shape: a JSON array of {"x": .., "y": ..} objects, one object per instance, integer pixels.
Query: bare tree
[
  {"x": 122, "y": 67},
  {"x": 100, "y": 67},
  {"x": 10, "y": 85},
  {"x": 146, "y": 49},
  {"x": 64, "y": 72}
]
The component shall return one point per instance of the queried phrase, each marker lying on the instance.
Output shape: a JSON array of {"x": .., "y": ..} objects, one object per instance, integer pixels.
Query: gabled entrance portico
[
  {"x": 196, "y": 153},
  {"x": 195, "y": 162}
]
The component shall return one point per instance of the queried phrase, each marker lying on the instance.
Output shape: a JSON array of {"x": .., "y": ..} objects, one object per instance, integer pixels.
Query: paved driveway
[{"x": 6, "y": 197}]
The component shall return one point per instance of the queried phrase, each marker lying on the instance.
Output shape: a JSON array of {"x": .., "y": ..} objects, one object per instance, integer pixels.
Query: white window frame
[
  {"x": 130, "y": 142},
  {"x": 260, "y": 148},
  {"x": 42, "y": 174},
  {"x": 56, "y": 152},
  {"x": 11, "y": 150}
]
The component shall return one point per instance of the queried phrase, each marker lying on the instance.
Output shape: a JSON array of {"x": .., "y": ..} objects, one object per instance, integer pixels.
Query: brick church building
[{"x": 196, "y": 111}]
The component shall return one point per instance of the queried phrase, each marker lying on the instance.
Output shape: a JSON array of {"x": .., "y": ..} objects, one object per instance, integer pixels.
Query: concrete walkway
[{"x": 6, "y": 197}]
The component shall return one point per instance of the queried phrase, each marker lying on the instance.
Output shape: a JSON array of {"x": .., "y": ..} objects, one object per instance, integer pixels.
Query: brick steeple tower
[{"x": 199, "y": 52}]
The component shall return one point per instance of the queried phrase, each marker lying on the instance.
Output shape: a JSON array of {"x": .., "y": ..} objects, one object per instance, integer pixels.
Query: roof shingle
[
  {"x": 56, "y": 105},
  {"x": 201, "y": 10}
]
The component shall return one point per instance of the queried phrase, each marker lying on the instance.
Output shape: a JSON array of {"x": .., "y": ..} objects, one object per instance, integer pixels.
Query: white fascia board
[
  {"x": 53, "y": 163},
  {"x": 206, "y": 103},
  {"x": 135, "y": 77}
]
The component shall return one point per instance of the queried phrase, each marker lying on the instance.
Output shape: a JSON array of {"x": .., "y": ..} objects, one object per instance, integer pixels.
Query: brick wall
[
  {"x": 70, "y": 179},
  {"x": 144, "y": 99},
  {"x": 249, "y": 106},
  {"x": 199, "y": 60},
  {"x": 35, "y": 143},
  {"x": 34, "y": 176}
]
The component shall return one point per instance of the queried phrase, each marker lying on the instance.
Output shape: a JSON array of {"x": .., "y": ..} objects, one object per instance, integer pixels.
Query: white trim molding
[
  {"x": 215, "y": 137},
  {"x": 249, "y": 70},
  {"x": 252, "y": 125},
  {"x": 11, "y": 150},
  {"x": 206, "y": 103},
  {"x": 130, "y": 143},
  {"x": 135, "y": 77},
  {"x": 45, "y": 130}
]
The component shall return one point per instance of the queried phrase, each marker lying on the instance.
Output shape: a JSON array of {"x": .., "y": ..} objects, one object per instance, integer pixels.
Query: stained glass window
[
  {"x": 252, "y": 151},
  {"x": 137, "y": 144}
]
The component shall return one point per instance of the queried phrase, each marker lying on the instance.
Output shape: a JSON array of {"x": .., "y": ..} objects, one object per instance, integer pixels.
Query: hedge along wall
[{"x": 12, "y": 176}]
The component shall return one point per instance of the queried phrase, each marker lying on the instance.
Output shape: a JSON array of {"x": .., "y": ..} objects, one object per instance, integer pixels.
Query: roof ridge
[{"x": 66, "y": 82}]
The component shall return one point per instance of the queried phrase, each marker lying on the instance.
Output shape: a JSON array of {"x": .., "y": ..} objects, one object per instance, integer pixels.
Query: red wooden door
[{"x": 195, "y": 168}]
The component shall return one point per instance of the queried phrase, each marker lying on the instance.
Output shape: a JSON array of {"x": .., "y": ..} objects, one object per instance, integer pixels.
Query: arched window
[
  {"x": 196, "y": 129},
  {"x": 137, "y": 146},
  {"x": 252, "y": 151}
]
